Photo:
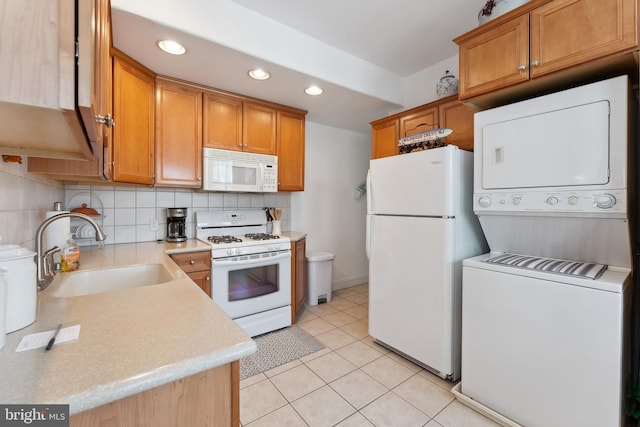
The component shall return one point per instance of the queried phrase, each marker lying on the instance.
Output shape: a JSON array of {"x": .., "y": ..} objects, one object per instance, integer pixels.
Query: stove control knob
[
  {"x": 573, "y": 200},
  {"x": 270, "y": 247},
  {"x": 552, "y": 200},
  {"x": 229, "y": 251},
  {"x": 238, "y": 251},
  {"x": 605, "y": 201},
  {"x": 484, "y": 201}
]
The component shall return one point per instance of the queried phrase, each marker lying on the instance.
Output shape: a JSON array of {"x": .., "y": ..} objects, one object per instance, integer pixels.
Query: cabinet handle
[
  {"x": 207, "y": 278},
  {"x": 192, "y": 262},
  {"x": 535, "y": 63},
  {"x": 105, "y": 120},
  {"x": 522, "y": 67}
]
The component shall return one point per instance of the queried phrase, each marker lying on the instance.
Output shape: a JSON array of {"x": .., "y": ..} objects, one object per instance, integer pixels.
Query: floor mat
[{"x": 277, "y": 348}]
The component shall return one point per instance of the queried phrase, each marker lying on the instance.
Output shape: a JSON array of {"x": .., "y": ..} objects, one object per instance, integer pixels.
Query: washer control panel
[{"x": 614, "y": 202}]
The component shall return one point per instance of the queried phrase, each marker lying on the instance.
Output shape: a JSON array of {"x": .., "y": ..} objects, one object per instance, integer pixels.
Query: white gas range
[{"x": 251, "y": 269}]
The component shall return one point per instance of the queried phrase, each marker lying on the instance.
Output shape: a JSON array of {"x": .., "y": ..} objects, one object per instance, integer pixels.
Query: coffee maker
[{"x": 176, "y": 224}]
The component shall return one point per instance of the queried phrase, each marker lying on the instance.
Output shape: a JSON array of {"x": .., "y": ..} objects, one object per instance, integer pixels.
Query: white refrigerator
[{"x": 420, "y": 226}]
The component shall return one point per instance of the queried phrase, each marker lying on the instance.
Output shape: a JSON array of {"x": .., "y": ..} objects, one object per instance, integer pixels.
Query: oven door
[{"x": 251, "y": 284}]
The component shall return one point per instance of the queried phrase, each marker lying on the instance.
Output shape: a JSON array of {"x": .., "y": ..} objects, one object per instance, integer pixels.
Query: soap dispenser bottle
[{"x": 70, "y": 256}]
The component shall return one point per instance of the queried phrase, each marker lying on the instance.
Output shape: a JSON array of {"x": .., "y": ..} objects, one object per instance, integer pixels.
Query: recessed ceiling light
[
  {"x": 313, "y": 90},
  {"x": 171, "y": 47},
  {"x": 258, "y": 74}
]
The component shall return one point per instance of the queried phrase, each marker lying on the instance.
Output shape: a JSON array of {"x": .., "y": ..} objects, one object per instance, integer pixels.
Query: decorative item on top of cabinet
[
  {"x": 178, "y": 134},
  {"x": 197, "y": 265},
  {"x": 291, "y": 144},
  {"x": 447, "y": 85},
  {"x": 545, "y": 37},
  {"x": 133, "y": 111},
  {"x": 298, "y": 276}
]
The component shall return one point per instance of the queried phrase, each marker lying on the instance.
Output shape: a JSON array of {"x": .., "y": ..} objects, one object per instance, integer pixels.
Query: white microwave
[{"x": 226, "y": 170}]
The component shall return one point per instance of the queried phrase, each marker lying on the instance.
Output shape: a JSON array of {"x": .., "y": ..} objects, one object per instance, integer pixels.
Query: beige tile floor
[{"x": 353, "y": 382}]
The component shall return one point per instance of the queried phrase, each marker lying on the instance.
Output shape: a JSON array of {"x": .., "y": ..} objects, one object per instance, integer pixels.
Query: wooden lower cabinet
[
  {"x": 298, "y": 276},
  {"x": 209, "y": 398},
  {"x": 197, "y": 265}
]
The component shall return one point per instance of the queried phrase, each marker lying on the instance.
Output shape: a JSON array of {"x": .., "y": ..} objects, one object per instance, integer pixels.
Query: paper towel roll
[{"x": 57, "y": 233}]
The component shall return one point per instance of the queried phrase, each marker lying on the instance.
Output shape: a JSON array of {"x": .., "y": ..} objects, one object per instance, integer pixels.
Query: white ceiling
[{"x": 361, "y": 52}]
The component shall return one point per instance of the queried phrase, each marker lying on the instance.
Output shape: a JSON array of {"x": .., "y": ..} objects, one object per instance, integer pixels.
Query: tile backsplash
[{"x": 138, "y": 214}]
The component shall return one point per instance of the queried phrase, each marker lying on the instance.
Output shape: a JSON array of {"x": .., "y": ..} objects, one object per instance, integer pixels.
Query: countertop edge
[{"x": 108, "y": 393}]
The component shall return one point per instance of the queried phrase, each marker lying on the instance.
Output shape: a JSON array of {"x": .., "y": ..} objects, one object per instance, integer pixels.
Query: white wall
[{"x": 336, "y": 162}]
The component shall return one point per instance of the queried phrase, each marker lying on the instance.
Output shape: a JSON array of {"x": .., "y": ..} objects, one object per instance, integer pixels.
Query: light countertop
[
  {"x": 294, "y": 235},
  {"x": 130, "y": 340}
]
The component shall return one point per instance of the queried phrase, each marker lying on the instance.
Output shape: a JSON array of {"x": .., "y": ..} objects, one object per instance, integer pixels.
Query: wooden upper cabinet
[
  {"x": 443, "y": 113},
  {"x": 133, "y": 110},
  {"x": 291, "y": 140},
  {"x": 178, "y": 134},
  {"x": 564, "y": 33},
  {"x": 49, "y": 92},
  {"x": 222, "y": 122},
  {"x": 543, "y": 37},
  {"x": 259, "y": 128},
  {"x": 384, "y": 138},
  {"x": 495, "y": 59},
  {"x": 419, "y": 121},
  {"x": 459, "y": 118}
]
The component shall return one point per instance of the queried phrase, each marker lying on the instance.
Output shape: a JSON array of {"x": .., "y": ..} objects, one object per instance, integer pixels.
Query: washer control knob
[
  {"x": 484, "y": 201},
  {"x": 553, "y": 200},
  {"x": 516, "y": 200},
  {"x": 605, "y": 201},
  {"x": 573, "y": 200}
]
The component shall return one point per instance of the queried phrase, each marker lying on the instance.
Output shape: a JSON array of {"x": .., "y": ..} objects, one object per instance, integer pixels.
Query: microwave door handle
[{"x": 224, "y": 263}]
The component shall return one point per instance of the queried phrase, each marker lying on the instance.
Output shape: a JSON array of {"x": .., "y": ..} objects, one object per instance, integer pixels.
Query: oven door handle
[{"x": 270, "y": 260}]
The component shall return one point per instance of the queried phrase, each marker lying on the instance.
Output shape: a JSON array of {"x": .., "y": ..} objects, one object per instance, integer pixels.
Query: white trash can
[{"x": 319, "y": 268}]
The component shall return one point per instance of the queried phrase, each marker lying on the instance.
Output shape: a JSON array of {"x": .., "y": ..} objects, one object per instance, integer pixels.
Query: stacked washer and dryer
[{"x": 544, "y": 315}]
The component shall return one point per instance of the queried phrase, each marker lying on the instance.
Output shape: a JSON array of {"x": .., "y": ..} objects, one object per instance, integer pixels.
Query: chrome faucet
[{"x": 45, "y": 272}]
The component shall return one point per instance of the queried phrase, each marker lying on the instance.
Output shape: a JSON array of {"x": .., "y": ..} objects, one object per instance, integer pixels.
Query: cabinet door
[
  {"x": 495, "y": 59},
  {"x": 384, "y": 138},
  {"x": 459, "y": 118},
  {"x": 178, "y": 135},
  {"x": 290, "y": 151},
  {"x": 133, "y": 111},
  {"x": 202, "y": 279},
  {"x": 570, "y": 32},
  {"x": 419, "y": 122},
  {"x": 301, "y": 273},
  {"x": 258, "y": 128},
  {"x": 222, "y": 122}
]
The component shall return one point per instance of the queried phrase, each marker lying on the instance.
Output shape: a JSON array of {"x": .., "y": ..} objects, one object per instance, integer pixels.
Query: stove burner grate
[
  {"x": 261, "y": 236},
  {"x": 223, "y": 239}
]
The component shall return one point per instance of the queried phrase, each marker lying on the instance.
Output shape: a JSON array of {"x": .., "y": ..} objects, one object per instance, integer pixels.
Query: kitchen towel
[{"x": 57, "y": 233}]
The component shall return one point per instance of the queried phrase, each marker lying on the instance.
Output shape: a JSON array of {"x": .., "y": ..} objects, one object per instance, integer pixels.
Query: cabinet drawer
[{"x": 193, "y": 261}]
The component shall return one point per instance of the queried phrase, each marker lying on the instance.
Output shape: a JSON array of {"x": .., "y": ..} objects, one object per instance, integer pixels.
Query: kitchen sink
[{"x": 87, "y": 282}]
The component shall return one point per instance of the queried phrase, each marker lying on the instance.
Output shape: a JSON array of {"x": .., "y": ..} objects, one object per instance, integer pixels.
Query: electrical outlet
[{"x": 154, "y": 224}]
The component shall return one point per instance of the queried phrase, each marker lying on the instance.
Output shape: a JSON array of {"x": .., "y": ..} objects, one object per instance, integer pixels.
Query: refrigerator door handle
[
  {"x": 369, "y": 195},
  {"x": 368, "y": 238}
]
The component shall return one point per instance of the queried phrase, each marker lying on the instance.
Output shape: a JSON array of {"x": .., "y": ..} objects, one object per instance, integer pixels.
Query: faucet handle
[{"x": 48, "y": 260}]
